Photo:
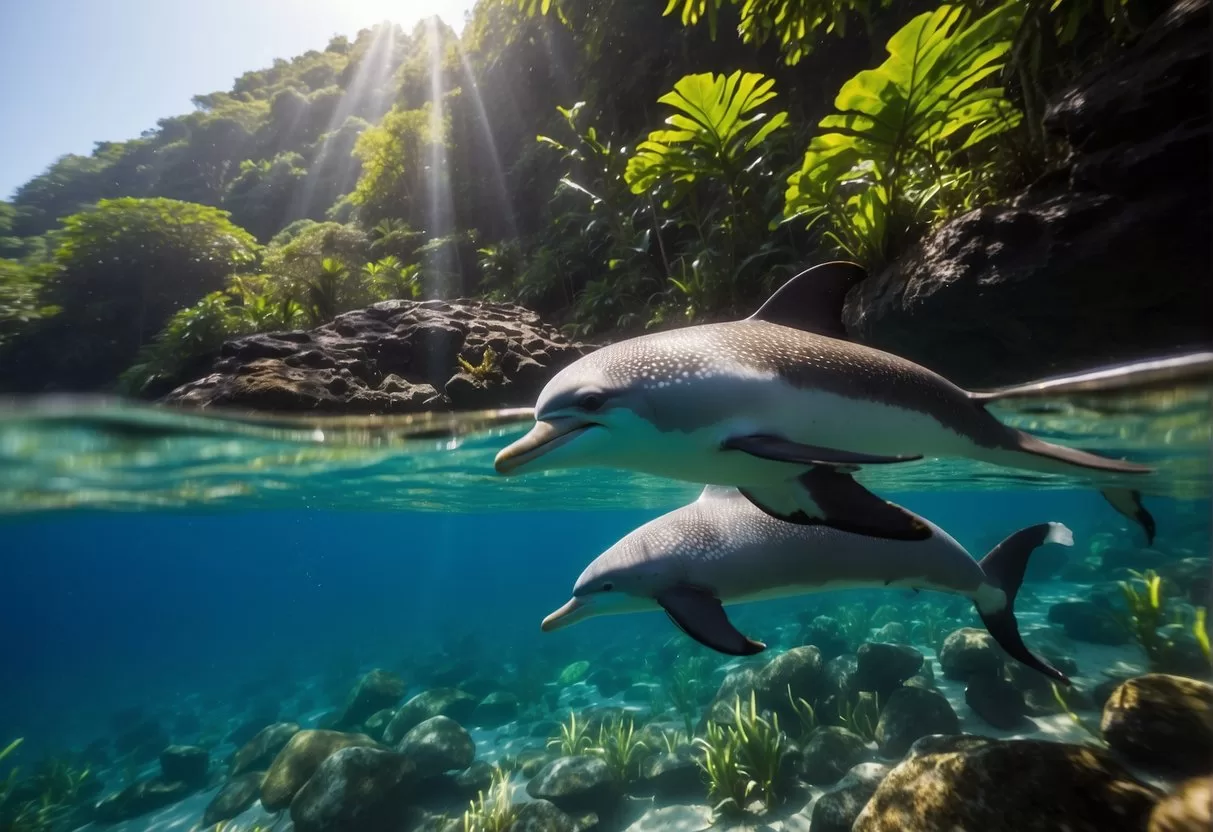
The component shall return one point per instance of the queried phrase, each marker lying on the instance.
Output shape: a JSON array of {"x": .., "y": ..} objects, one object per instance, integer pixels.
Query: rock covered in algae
[
  {"x": 837, "y": 808},
  {"x": 298, "y": 761},
  {"x": 911, "y": 713},
  {"x": 259, "y": 752},
  {"x": 438, "y": 745},
  {"x": 356, "y": 788},
  {"x": 1162, "y": 721},
  {"x": 672, "y": 774},
  {"x": 545, "y": 816},
  {"x": 185, "y": 763},
  {"x": 236, "y": 796},
  {"x": 830, "y": 753},
  {"x": 882, "y": 667},
  {"x": 375, "y": 691},
  {"x": 799, "y": 669},
  {"x": 1025, "y": 785},
  {"x": 449, "y": 702},
  {"x": 577, "y": 784},
  {"x": 970, "y": 652},
  {"x": 996, "y": 701},
  {"x": 1187, "y": 809}
]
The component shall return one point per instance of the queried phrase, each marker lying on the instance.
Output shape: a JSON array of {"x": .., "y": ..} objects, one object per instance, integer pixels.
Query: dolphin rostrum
[
  {"x": 721, "y": 549},
  {"x": 783, "y": 407}
]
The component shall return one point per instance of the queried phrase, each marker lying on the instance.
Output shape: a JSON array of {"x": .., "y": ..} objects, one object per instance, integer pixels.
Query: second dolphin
[{"x": 722, "y": 549}]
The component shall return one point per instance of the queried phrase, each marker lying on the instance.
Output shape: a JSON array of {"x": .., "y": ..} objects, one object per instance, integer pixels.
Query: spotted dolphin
[
  {"x": 722, "y": 550},
  {"x": 782, "y": 406}
]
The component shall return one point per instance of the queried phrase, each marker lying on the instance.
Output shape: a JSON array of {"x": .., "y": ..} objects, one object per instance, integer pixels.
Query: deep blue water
[{"x": 105, "y": 611}]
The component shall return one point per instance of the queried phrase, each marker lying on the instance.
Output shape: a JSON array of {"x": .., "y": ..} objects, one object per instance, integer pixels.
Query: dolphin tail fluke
[
  {"x": 1128, "y": 503},
  {"x": 1072, "y": 456},
  {"x": 1004, "y": 568}
]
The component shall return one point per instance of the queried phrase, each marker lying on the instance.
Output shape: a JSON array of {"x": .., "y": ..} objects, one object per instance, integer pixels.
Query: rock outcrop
[
  {"x": 397, "y": 356},
  {"x": 1105, "y": 260}
]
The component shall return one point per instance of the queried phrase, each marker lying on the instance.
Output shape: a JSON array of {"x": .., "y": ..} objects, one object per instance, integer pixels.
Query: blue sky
[{"x": 79, "y": 71}]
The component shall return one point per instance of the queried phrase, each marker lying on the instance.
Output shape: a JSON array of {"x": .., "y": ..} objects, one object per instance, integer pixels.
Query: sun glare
[{"x": 360, "y": 14}]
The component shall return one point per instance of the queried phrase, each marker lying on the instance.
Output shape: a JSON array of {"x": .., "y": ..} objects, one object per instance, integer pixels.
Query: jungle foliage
[{"x": 615, "y": 165}]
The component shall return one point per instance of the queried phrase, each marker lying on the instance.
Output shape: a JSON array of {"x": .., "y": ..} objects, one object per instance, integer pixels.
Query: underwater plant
[
  {"x": 682, "y": 686},
  {"x": 574, "y": 738},
  {"x": 673, "y": 740},
  {"x": 619, "y": 748},
  {"x": 805, "y": 714},
  {"x": 855, "y": 621},
  {"x": 486, "y": 369},
  {"x": 861, "y": 715},
  {"x": 1094, "y": 732},
  {"x": 1146, "y": 611},
  {"x": 495, "y": 811},
  {"x": 1200, "y": 629},
  {"x": 742, "y": 760},
  {"x": 59, "y": 783}
]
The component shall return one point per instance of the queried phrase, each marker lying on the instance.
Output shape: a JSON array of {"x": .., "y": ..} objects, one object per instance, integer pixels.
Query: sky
[{"x": 74, "y": 72}]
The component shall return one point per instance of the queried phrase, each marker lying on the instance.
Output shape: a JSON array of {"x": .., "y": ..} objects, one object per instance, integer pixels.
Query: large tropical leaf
[
  {"x": 715, "y": 129},
  {"x": 899, "y": 127}
]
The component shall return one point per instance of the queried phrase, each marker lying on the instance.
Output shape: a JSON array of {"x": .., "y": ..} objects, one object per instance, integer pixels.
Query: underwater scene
[{"x": 606, "y": 416}]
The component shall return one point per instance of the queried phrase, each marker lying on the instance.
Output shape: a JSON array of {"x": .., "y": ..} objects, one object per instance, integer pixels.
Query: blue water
[{"x": 107, "y": 611}]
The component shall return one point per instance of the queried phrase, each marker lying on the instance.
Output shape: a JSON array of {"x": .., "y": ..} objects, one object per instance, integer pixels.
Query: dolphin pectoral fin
[
  {"x": 1127, "y": 501},
  {"x": 701, "y": 616},
  {"x": 833, "y": 498},
  {"x": 782, "y": 450}
]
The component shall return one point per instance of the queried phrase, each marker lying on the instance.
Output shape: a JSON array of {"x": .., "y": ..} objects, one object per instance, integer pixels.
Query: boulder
[
  {"x": 1162, "y": 722},
  {"x": 909, "y": 714},
  {"x": 672, "y": 775},
  {"x": 355, "y": 788},
  {"x": 298, "y": 761},
  {"x": 970, "y": 652},
  {"x": 398, "y": 356},
  {"x": 259, "y": 752},
  {"x": 376, "y": 724},
  {"x": 438, "y": 745},
  {"x": 830, "y": 753},
  {"x": 236, "y": 796},
  {"x": 495, "y": 709},
  {"x": 542, "y": 816},
  {"x": 577, "y": 784},
  {"x": 997, "y": 701},
  {"x": 449, "y": 702},
  {"x": 799, "y": 669},
  {"x": 1187, "y": 809},
  {"x": 825, "y": 633},
  {"x": 837, "y": 809},
  {"x": 186, "y": 764},
  {"x": 882, "y": 668},
  {"x": 738, "y": 683},
  {"x": 1025, "y": 785},
  {"x": 1089, "y": 266},
  {"x": 375, "y": 691},
  {"x": 139, "y": 798}
]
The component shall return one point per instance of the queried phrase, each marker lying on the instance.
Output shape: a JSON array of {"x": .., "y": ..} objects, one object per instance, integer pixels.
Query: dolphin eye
[
  {"x": 591, "y": 402},
  {"x": 608, "y": 586}
]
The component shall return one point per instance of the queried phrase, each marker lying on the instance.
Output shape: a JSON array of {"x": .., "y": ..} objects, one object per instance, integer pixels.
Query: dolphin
[
  {"x": 722, "y": 550},
  {"x": 782, "y": 406}
]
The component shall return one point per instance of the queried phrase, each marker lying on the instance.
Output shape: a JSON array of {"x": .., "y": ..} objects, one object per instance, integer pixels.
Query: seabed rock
[
  {"x": 449, "y": 702},
  {"x": 837, "y": 809},
  {"x": 577, "y": 784},
  {"x": 912, "y": 713},
  {"x": 259, "y": 752},
  {"x": 358, "y": 788},
  {"x": 1162, "y": 722},
  {"x": 236, "y": 796},
  {"x": 298, "y": 761},
  {"x": 438, "y": 745}
]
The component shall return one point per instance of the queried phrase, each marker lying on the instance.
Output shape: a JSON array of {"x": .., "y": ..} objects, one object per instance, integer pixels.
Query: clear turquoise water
[{"x": 196, "y": 566}]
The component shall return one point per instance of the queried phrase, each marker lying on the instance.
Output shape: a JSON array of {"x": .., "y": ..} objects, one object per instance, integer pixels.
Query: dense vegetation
[{"x": 610, "y": 163}]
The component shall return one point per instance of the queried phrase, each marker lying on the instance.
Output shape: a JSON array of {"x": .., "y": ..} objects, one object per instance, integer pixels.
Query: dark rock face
[
  {"x": 670, "y": 776},
  {"x": 1009, "y": 785},
  {"x": 799, "y": 669},
  {"x": 577, "y": 784},
  {"x": 542, "y": 816},
  {"x": 355, "y": 788},
  {"x": 830, "y": 753},
  {"x": 237, "y": 795},
  {"x": 1105, "y": 261},
  {"x": 997, "y": 701},
  {"x": 1164, "y": 722},
  {"x": 438, "y": 745},
  {"x": 259, "y": 752},
  {"x": 185, "y": 763},
  {"x": 883, "y": 667},
  {"x": 375, "y": 691},
  {"x": 837, "y": 809},
  {"x": 393, "y": 357},
  {"x": 911, "y": 713}
]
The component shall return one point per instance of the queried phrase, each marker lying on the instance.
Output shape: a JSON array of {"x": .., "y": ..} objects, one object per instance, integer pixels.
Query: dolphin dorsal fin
[{"x": 812, "y": 300}]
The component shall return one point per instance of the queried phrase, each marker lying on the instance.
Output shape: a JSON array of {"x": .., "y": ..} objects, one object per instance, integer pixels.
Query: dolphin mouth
[
  {"x": 570, "y": 613},
  {"x": 542, "y": 439}
]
